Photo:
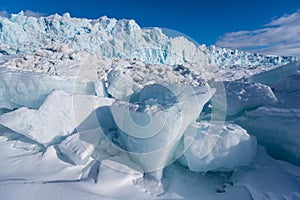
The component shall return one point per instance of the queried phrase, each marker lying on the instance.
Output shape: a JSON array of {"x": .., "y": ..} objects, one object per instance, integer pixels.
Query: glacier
[
  {"x": 117, "y": 38},
  {"x": 108, "y": 109},
  {"x": 226, "y": 148}
]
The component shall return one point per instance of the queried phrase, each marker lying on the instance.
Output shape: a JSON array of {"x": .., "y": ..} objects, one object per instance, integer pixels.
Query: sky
[{"x": 267, "y": 26}]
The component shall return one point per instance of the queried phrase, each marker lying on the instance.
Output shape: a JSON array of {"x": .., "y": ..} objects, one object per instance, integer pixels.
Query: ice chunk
[
  {"x": 100, "y": 88},
  {"x": 272, "y": 76},
  {"x": 75, "y": 150},
  {"x": 58, "y": 116},
  {"x": 53, "y": 119},
  {"x": 277, "y": 128},
  {"x": 232, "y": 148},
  {"x": 241, "y": 96},
  {"x": 276, "y": 125},
  {"x": 152, "y": 124},
  {"x": 129, "y": 76},
  {"x": 120, "y": 86},
  {"x": 19, "y": 89}
]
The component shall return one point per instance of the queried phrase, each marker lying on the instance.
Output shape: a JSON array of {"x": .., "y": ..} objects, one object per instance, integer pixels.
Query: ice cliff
[{"x": 117, "y": 39}]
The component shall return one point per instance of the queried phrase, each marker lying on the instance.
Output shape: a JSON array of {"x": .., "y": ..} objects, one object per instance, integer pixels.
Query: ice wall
[{"x": 117, "y": 38}]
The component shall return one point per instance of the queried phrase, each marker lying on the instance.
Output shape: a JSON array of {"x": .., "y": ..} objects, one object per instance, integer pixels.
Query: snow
[
  {"x": 128, "y": 76},
  {"x": 242, "y": 96},
  {"x": 73, "y": 149},
  {"x": 181, "y": 183},
  {"x": 276, "y": 125},
  {"x": 104, "y": 109},
  {"x": 229, "y": 149},
  {"x": 58, "y": 116},
  {"x": 22, "y": 163},
  {"x": 273, "y": 177},
  {"x": 276, "y": 128}
]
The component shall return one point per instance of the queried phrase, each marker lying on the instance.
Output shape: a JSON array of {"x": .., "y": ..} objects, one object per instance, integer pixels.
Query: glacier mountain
[
  {"x": 106, "y": 109},
  {"x": 113, "y": 38}
]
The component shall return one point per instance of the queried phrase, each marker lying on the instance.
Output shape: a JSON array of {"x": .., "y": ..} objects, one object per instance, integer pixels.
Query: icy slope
[
  {"x": 276, "y": 125},
  {"x": 21, "y": 159}
]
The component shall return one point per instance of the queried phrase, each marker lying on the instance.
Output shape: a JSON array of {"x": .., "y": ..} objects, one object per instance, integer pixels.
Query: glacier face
[{"x": 117, "y": 38}]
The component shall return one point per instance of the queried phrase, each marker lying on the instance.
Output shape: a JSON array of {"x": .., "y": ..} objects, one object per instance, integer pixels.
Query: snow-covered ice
[
  {"x": 270, "y": 77},
  {"x": 241, "y": 96},
  {"x": 207, "y": 151},
  {"x": 74, "y": 150},
  {"x": 103, "y": 108},
  {"x": 276, "y": 181},
  {"x": 117, "y": 38},
  {"x": 276, "y": 128},
  {"x": 58, "y": 116},
  {"x": 276, "y": 125},
  {"x": 34, "y": 164},
  {"x": 29, "y": 89},
  {"x": 153, "y": 122}
]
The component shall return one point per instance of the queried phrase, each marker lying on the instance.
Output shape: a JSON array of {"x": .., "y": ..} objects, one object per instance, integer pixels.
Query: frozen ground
[{"x": 103, "y": 109}]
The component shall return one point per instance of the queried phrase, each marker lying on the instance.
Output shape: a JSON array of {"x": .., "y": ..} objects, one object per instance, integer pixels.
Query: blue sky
[{"x": 206, "y": 21}]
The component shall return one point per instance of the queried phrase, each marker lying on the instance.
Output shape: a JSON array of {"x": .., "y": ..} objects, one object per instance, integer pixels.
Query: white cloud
[
  {"x": 4, "y": 13},
  {"x": 279, "y": 37},
  {"x": 29, "y": 13}
]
